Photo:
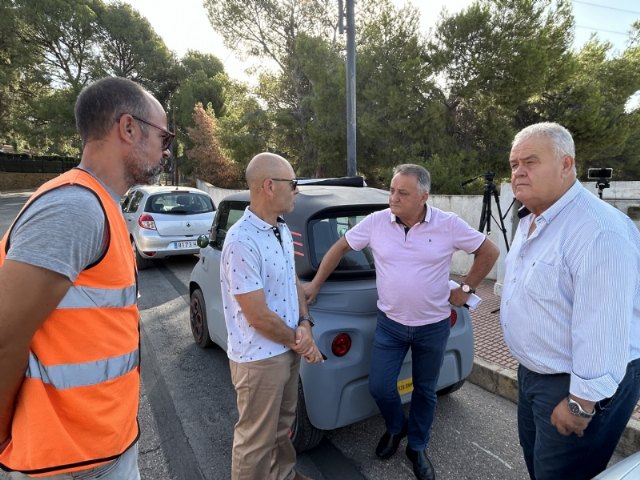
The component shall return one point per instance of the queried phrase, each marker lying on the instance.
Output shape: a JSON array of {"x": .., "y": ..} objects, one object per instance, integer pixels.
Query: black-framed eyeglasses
[
  {"x": 167, "y": 136},
  {"x": 293, "y": 183}
]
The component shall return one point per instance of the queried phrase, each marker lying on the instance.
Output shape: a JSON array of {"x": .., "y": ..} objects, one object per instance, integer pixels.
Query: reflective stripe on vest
[
  {"x": 89, "y": 297},
  {"x": 82, "y": 374}
]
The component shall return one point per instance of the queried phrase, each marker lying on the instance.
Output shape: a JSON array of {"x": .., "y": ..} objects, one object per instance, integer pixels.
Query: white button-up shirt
[
  {"x": 571, "y": 296},
  {"x": 254, "y": 259}
]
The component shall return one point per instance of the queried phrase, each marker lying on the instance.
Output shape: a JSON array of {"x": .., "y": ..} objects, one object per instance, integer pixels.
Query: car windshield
[
  {"x": 179, "y": 203},
  {"x": 325, "y": 231}
]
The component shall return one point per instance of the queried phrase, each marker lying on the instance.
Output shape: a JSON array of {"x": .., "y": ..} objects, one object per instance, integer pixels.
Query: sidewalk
[{"x": 495, "y": 369}]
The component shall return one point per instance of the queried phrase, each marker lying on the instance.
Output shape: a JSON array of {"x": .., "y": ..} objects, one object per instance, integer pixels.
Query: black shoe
[
  {"x": 422, "y": 468},
  {"x": 389, "y": 443}
]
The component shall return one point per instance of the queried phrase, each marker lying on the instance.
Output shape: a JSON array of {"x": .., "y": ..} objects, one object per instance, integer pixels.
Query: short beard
[{"x": 140, "y": 172}]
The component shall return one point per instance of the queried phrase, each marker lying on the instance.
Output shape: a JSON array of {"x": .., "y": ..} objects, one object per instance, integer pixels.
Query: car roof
[
  {"x": 152, "y": 189},
  {"x": 312, "y": 199}
]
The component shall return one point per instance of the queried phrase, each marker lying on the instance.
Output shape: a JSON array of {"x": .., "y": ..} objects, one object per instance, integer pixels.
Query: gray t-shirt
[{"x": 63, "y": 231}]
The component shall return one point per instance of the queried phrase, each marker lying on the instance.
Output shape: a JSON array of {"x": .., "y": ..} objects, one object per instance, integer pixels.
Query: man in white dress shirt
[{"x": 570, "y": 311}]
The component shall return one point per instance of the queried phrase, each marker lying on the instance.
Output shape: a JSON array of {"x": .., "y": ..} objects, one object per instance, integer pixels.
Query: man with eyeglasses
[
  {"x": 69, "y": 332},
  {"x": 268, "y": 324}
]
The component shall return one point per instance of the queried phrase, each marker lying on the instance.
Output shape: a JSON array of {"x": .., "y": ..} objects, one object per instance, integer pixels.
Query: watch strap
[
  {"x": 469, "y": 289},
  {"x": 576, "y": 409},
  {"x": 306, "y": 317}
]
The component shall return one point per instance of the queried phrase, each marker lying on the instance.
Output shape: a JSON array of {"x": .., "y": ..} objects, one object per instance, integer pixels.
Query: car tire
[
  {"x": 451, "y": 388},
  {"x": 141, "y": 262},
  {"x": 198, "y": 320},
  {"x": 304, "y": 436}
]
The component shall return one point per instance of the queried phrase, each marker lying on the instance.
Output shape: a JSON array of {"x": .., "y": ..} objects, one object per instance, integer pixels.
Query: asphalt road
[
  {"x": 190, "y": 392},
  {"x": 188, "y": 410}
]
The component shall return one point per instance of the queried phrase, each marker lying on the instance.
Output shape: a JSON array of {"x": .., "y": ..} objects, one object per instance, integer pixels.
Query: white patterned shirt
[
  {"x": 571, "y": 297},
  {"x": 253, "y": 259}
]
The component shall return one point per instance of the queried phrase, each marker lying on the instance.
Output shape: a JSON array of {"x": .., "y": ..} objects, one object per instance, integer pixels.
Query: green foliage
[
  {"x": 130, "y": 48},
  {"x": 451, "y": 101},
  {"x": 246, "y": 128}
]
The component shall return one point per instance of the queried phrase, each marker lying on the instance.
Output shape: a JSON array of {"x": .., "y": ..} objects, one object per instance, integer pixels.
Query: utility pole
[{"x": 351, "y": 79}]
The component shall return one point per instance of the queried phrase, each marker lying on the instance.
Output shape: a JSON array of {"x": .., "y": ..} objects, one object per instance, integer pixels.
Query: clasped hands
[{"x": 305, "y": 345}]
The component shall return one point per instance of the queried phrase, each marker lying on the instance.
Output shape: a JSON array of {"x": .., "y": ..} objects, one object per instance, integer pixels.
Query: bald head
[{"x": 266, "y": 165}]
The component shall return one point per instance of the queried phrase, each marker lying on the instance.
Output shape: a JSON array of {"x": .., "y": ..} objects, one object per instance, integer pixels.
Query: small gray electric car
[{"x": 334, "y": 393}]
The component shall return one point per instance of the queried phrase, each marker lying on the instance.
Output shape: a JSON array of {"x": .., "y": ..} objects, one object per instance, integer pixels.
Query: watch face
[
  {"x": 575, "y": 409},
  {"x": 466, "y": 288}
]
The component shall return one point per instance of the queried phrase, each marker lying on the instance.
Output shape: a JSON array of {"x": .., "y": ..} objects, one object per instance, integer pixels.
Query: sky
[{"x": 190, "y": 28}]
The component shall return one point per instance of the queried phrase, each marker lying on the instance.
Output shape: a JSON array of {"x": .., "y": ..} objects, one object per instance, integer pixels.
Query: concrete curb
[{"x": 504, "y": 382}]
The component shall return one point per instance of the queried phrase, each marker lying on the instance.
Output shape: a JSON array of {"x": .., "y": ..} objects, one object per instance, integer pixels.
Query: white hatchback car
[{"x": 166, "y": 221}]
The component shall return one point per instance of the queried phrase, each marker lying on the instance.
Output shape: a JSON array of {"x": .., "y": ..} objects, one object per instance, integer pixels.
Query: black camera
[{"x": 599, "y": 173}]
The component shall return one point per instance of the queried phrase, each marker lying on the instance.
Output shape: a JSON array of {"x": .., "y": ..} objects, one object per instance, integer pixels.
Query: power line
[
  {"x": 606, "y": 7},
  {"x": 602, "y": 30}
]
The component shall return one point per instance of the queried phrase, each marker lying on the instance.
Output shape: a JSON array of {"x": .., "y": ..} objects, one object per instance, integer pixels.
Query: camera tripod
[
  {"x": 601, "y": 184},
  {"x": 486, "y": 215}
]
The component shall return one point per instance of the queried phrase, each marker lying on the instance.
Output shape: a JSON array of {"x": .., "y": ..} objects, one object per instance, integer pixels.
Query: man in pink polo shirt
[{"x": 412, "y": 244}]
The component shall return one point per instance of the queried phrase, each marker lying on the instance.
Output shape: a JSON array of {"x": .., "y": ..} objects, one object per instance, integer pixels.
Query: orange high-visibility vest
[{"x": 77, "y": 406}]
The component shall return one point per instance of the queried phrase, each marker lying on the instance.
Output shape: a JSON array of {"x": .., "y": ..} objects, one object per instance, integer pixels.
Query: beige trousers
[{"x": 267, "y": 394}]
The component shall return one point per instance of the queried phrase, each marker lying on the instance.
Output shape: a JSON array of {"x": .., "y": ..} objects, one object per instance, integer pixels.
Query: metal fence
[{"x": 23, "y": 163}]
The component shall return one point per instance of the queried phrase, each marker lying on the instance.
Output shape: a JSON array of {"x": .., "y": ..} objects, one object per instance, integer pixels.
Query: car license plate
[
  {"x": 187, "y": 244},
  {"x": 405, "y": 386}
]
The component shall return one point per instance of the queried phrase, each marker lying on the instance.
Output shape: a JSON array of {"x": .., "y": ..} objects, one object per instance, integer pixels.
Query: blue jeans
[
  {"x": 390, "y": 345},
  {"x": 551, "y": 456}
]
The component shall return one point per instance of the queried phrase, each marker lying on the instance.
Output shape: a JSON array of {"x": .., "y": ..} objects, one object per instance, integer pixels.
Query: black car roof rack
[{"x": 356, "y": 181}]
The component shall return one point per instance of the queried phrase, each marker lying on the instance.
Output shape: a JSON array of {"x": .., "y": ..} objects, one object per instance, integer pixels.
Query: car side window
[
  {"x": 228, "y": 214},
  {"x": 124, "y": 202},
  {"x": 132, "y": 206}
]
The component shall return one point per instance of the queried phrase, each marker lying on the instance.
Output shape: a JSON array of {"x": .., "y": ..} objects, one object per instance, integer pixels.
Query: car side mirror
[{"x": 203, "y": 241}]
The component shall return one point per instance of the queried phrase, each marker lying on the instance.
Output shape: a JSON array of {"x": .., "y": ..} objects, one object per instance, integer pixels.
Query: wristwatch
[
  {"x": 308, "y": 318},
  {"x": 468, "y": 289},
  {"x": 576, "y": 409}
]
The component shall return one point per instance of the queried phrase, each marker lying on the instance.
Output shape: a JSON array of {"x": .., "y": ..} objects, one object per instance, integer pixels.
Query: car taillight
[
  {"x": 341, "y": 344},
  {"x": 454, "y": 317},
  {"x": 147, "y": 221}
]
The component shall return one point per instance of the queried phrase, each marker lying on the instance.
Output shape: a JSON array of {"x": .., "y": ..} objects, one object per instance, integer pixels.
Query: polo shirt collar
[
  {"x": 427, "y": 215},
  {"x": 257, "y": 222}
]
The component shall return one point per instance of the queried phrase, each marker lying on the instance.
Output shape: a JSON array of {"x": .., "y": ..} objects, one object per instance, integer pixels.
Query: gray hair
[
  {"x": 558, "y": 135},
  {"x": 421, "y": 174},
  {"x": 101, "y": 103}
]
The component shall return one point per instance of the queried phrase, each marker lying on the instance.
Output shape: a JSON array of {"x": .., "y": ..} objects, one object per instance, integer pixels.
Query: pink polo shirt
[{"x": 412, "y": 269}]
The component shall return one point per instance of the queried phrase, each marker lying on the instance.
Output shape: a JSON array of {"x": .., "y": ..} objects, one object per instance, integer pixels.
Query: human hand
[
  {"x": 316, "y": 356},
  {"x": 567, "y": 423},
  {"x": 310, "y": 292},
  {"x": 458, "y": 298},
  {"x": 306, "y": 347}
]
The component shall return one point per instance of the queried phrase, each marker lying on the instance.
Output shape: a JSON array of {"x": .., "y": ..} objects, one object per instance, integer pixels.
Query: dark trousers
[
  {"x": 551, "y": 456},
  {"x": 390, "y": 345}
]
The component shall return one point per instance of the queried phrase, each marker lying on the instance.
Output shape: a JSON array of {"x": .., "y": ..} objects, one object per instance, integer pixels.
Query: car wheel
[
  {"x": 304, "y": 436},
  {"x": 198, "y": 320},
  {"x": 451, "y": 388},
  {"x": 141, "y": 262}
]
